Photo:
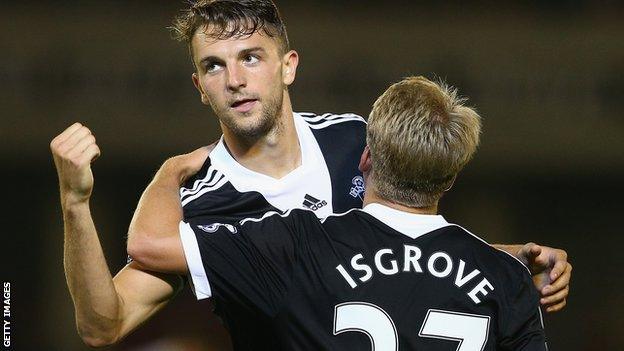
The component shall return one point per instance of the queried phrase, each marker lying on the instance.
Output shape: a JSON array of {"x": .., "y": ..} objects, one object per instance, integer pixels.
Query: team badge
[{"x": 358, "y": 187}]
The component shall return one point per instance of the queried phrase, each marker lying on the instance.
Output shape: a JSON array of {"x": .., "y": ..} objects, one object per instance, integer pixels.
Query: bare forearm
[
  {"x": 511, "y": 249},
  {"x": 106, "y": 309},
  {"x": 96, "y": 302}
]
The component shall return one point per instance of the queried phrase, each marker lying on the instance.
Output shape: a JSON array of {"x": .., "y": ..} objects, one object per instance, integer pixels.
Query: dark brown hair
[{"x": 224, "y": 19}]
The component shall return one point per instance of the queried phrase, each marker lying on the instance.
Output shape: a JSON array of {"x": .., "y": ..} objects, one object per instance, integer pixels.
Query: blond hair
[{"x": 420, "y": 136}]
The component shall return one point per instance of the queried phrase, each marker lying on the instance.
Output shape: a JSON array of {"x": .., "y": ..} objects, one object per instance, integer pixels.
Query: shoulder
[
  {"x": 333, "y": 120},
  {"x": 349, "y": 224},
  {"x": 290, "y": 217},
  {"x": 511, "y": 280},
  {"x": 332, "y": 130},
  {"x": 507, "y": 263},
  {"x": 206, "y": 180},
  {"x": 343, "y": 217},
  {"x": 275, "y": 228}
]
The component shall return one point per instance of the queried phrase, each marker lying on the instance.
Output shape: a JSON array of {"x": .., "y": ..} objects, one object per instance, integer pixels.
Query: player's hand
[
  {"x": 73, "y": 151},
  {"x": 551, "y": 274},
  {"x": 186, "y": 165}
]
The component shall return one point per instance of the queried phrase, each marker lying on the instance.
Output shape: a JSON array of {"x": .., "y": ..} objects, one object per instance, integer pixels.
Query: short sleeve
[
  {"x": 250, "y": 263},
  {"x": 522, "y": 326}
]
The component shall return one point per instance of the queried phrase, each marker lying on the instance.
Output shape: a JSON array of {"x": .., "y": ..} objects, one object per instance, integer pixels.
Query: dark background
[{"x": 547, "y": 77}]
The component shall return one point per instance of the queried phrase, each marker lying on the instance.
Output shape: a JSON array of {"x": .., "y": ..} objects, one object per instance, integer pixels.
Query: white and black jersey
[
  {"x": 327, "y": 181},
  {"x": 371, "y": 279}
]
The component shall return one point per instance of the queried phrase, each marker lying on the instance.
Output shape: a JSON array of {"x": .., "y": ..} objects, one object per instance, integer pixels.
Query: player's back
[
  {"x": 386, "y": 280},
  {"x": 375, "y": 278}
]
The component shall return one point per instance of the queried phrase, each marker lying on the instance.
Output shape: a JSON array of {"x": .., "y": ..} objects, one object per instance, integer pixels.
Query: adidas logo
[{"x": 313, "y": 203}]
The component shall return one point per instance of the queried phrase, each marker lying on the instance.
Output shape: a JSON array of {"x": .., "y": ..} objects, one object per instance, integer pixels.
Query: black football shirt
[{"x": 371, "y": 279}]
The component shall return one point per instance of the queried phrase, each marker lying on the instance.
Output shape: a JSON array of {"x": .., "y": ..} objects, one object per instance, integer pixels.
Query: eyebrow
[
  {"x": 209, "y": 59},
  {"x": 215, "y": 59},
  {"x": 250, "y": 50}
]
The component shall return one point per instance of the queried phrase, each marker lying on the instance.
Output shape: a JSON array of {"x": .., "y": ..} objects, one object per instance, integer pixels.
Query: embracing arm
[
  {"x": 550, "y": 269},
  {"x": 106, "y": 309},
  {"x": 153, "y": 238}
]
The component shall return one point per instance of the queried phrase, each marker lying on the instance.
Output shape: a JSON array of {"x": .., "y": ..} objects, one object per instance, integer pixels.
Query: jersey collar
[
  {"x": 410, "y": 224},
  {"x": 222, "y": 158}
]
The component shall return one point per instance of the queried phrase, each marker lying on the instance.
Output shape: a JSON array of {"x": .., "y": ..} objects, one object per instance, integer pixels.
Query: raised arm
[
  {"x": 153, "y": 239},
  {"x": 550, "y": 269},
  {"x": 106, "y": 309}
]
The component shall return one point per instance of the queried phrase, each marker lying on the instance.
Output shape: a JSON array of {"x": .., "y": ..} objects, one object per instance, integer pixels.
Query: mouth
[{"x": 243, "y": 105}]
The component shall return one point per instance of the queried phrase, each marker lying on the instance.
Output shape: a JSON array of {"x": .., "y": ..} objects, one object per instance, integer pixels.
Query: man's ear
[
  {"x": 366, "y": 164},
  {"x": 197, "y": 84},
  {"x": 290, "y": 61}
]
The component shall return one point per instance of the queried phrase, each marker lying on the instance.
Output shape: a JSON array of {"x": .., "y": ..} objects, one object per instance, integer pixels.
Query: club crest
[{"x": 358, "y": 187}]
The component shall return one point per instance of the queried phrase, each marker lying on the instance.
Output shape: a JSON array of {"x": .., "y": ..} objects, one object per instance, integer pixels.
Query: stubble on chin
[{"x": 268, "y": 122}]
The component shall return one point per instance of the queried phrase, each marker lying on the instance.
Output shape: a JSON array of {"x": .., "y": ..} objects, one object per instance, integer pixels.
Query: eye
[
  {"x": 212, "y": 67},
  {"x": 250, "y": 59}
]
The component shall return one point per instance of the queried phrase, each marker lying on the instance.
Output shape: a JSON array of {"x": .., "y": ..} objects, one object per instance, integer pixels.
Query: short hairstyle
[
  {"x": 225, "y": 19},
  {"x": 420, "y": 136}
]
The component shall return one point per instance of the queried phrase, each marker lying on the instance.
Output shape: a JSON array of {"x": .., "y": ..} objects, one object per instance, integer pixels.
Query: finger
[
  {"x": 557, "y": 307},
  {"x": 558, "y": 269},
  {"x": 201, "y": 153},
  {"x": 81, "y": 146},
  {"x": 557, "y": 297},
  {"x": 536, "y": 249},
  {"x": 211, "y": 147},
  {"x": 91, "y": 153},
  {"x": 66, "y": 133},
  {"x": 194, "y": 160},
  {"x": 559, "y": 283},
  {"x": 531, "y": 250},
  {"x": 70, "y": 138},
  {"x": 71, "y": 141},
  {"x": 528, "y": 253}
]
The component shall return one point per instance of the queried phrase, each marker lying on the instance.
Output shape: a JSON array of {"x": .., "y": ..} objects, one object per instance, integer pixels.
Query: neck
[
  {"x": 371, "y": 196},
  {"x": 274, "y": 154}
]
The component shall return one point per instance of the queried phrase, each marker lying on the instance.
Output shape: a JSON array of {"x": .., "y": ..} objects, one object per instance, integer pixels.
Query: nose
[{"x": 235, "y": 78}]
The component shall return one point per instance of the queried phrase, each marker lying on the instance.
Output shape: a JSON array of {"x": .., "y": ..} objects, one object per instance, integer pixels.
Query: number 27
[{"x": 470, "y": 330}]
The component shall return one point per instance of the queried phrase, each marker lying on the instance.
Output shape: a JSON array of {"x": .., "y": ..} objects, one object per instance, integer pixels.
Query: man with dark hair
[
  {"x": 394, "y": 271},
  {"x": 269, "y": 159}
]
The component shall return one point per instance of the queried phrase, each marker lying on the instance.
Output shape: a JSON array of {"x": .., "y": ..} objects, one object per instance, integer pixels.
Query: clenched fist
[{"x": 73, "y": 151}]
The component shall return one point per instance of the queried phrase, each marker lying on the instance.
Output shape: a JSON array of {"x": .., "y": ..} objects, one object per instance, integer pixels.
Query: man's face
[{"x": 243, "y": 79}]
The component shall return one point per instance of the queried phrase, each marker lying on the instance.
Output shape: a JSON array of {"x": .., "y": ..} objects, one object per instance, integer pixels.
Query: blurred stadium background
[{"x": 547, "y": 76}]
